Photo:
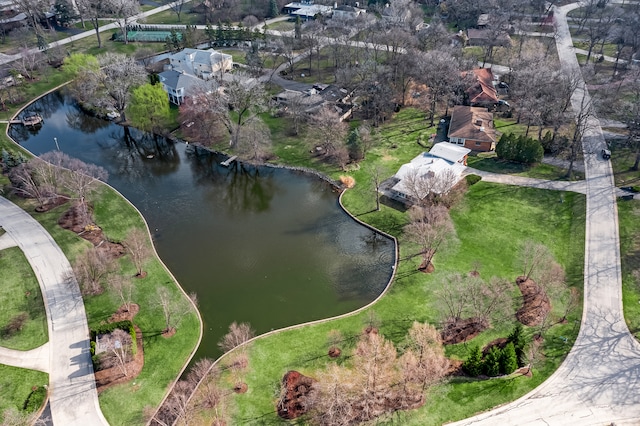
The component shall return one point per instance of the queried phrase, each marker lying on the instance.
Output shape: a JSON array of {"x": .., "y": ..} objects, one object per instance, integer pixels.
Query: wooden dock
[
  {"x": 27, "y": 120},
  {"x": 228, "y": 161}
]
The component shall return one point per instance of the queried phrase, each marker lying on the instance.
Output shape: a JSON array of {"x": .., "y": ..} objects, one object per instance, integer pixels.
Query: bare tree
[
  {"x": 432, "y": 229},
  {"x": 328, "y": 133},
  {"x": 118, "y": 76},
  {"x": 173, "y": 307},
  {"x": 26, "y": 183},
  {"x": 237, "y": 335},
  {"x": 122, "y": 287},
  {"x": 247, "y": 98},
  {"x": 254, "y": 143},
  {"x": 120, "y": 348},
  {"x": 463, "y": 297},
  {"x": 331, "y": 398},
  {"x": 376, "y": 182},
  {"x": 93, "y": 11},
  {"x": 137, "y": 243},
  {"x": 123, "y": 11},
  {"x": 34, "y": 9},
  {"x": 430, "y": 362},
  {"x": 176, "y": 6},
  {"x": 28, "y": 63},
  {"x": 91, "y": 268},
  {"x": 80, "y": 181}
]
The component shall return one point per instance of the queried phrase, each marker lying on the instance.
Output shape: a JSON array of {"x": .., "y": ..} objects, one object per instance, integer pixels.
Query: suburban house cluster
[
  {"x": 470, "y": 129},
  {"x": 189, "y": 68}
]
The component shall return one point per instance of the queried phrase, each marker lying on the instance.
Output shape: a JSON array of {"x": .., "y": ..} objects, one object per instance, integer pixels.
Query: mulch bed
[
  {"x": 535, "y": 302},
  {"x": 462, "y": 330},
  {"x": 297, "y": 386},
  {"x": 72, "y": 220},
  {"x": 112, "y": 376}
]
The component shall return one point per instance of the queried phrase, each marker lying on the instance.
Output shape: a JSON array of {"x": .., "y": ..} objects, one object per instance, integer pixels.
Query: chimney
[
  {"x": 478, "y": 122},
  {"x": 358, "y": 4}
]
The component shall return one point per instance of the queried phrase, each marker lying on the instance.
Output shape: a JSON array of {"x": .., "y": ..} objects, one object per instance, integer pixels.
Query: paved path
[
  {"x": 599, "y": 382},
  {"x": 35, "y": 359},
  {"x": 556, "y": 185},
  {"x": 72, "y": 390}
]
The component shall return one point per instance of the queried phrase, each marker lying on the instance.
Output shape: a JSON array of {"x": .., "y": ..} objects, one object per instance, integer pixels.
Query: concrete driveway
[
  {"x": 66, "y": 357},
  {"x": 599, "y": 382}
]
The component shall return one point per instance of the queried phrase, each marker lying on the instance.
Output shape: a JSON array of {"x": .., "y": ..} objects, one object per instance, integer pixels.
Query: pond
[{"x": 267, "y": 246}]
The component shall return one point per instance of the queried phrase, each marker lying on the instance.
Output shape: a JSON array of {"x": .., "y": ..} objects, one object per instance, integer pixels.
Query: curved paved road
[
  {"x": 599, "y": 382},
  {"x": 72, "y": 390}
]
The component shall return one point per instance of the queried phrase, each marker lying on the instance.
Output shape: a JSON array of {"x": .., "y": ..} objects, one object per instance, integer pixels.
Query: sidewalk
[{"x": 72, "y": 389}]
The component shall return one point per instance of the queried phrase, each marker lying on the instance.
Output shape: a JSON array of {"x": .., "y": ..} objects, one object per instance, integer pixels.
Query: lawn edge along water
[{"x": 20, "y": 148}]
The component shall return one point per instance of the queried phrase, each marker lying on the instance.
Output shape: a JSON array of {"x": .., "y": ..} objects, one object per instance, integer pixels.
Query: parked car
[{"x": 606, "y": 154}]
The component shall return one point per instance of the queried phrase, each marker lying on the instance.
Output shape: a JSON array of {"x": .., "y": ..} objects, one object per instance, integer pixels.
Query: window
[{"x": 478, "y": 143}]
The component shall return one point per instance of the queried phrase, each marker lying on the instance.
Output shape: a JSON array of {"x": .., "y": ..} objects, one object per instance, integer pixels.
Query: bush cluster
[
  {"x": 497, "y": 361},
  {"x": 520, "y": 149}
]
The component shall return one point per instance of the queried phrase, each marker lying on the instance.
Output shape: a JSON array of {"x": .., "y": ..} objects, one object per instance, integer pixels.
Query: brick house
[{"x": 472, "y": 127}]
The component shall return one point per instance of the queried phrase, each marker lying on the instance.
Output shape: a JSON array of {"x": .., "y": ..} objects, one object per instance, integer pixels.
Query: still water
[{"x": 267, "y": 246}]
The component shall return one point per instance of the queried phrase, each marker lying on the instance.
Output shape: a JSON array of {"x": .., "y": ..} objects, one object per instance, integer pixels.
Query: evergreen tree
[
  {"x": 517, "y": 338},
  {"x": 273, "y": 8},
  {"x": 354, "y": 144},
  {"x": 473, "y": 364},
  {"x": 491, "y": 362},
  {"x": 508, "y": 359}
]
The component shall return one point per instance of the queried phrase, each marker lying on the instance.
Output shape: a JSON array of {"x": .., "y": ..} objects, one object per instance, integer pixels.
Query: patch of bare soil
[
  {"x": 240, "y": 388},
  {"x": 52, "y": 204},
  {"x": 455, "y": 368},
  {"x": 114, "y": 375},
  {"x": 499, "y": 343},
  {"x": 462, "y": 330},
  {"x": 535, "y": 302},
  {"x": 296, "y": 387},
  {"x": 74, "y": 221},
  {"x": 334, "y": 352},
  {"x": 169, "y": 332}
]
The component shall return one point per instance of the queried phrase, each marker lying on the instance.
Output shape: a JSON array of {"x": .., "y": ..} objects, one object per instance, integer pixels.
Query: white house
[
  {"x": 437, "y": 171},
  {"x": 201, "y": 63}
]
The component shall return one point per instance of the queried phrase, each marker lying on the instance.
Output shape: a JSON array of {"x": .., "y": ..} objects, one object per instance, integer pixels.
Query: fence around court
[{"x": 159, "y": 36}]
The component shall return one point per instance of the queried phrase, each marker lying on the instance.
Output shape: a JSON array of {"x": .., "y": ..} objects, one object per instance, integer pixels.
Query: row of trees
[{"x": 378, "y": 381}]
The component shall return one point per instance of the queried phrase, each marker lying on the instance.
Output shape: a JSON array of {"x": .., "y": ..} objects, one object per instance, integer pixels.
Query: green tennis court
[{"x": 148, "y": 36}]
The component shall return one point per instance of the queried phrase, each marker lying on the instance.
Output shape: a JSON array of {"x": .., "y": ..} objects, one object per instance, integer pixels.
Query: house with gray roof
[
  {"x": 178, "y": 85},
  {"x": 203, "y": 64}
]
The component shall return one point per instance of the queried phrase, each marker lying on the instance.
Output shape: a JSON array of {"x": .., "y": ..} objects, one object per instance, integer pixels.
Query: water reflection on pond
[{"x": 256, "y": 244}]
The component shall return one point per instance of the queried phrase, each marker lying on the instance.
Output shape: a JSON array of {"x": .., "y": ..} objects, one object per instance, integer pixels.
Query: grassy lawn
[
  {"x": 629, "y": 219},
  {"x": 170, "y": 17},
  {"x": 491, "y": 163},
  {"x": 15, "y": 386},
  {"x": 20, "y": 294},
  {"x": 164, "y": 357},
  {"x": 491, "y": 223},
  {"x": 282, "y": 26},
  {"x": 622, "y": 159}
]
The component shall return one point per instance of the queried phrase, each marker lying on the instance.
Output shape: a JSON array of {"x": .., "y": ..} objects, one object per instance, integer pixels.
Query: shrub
[
  {"x": 508, "y": 359},
  {"x": 491, "y": 364},
  {"x": 516, "y": 337},
  {"x": 14, "y": 326},
  {"x": 520, "y": 149},
  {"x": 472, "y": 179},
  {"x": 35, "y": 399},
  {"x": 473, "y": 364}
]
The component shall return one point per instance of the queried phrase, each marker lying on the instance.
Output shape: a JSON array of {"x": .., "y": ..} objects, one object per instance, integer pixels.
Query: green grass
[
  {"x": 622, "y": 159},
  {"x": 15, "y": 386},
  {"x": 490, "y": 163},
  {"x": 492, "y": 222},
  {"x": 282, "y": 26},
  {"x": 170, "y": 17},
  {"x": 164, "y": 358},
  {"x": 629, "y": 222},
  {"x": 20, "y": 293}
]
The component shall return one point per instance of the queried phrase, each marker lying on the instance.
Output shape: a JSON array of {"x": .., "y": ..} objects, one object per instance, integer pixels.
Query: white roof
[
  {"x": 427, "y": 166},
  {"x": 449, "y": 151}
]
